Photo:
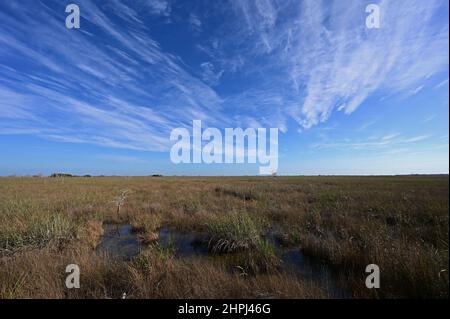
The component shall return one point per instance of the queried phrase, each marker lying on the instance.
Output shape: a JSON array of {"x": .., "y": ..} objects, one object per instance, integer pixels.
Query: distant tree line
[
  {"x": 67, "y": 175},
  {"x": 71, "y": 175}
]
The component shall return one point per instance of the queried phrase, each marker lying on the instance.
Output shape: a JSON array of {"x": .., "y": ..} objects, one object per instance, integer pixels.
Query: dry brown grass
[{"x": 399, "y": 223}]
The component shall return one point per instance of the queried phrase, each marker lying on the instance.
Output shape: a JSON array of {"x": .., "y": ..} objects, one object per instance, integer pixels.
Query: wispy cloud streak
[{"x": 117, "y": 82}]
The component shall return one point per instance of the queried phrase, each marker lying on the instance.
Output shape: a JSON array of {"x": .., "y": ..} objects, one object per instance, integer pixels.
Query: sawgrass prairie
[{"x": 241, "y": 228}]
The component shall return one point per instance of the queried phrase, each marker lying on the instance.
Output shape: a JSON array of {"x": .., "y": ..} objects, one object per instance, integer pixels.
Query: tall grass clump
[
  {"x": 264, "y": 257},
  {"x": 36, "y": 232},
  {"x": 233, "y": 232}
]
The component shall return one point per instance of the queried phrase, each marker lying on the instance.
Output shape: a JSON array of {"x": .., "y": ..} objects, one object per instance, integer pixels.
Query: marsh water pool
[
  {"x": 184, "y": 244},
  {"x": 119, "y": 241}
]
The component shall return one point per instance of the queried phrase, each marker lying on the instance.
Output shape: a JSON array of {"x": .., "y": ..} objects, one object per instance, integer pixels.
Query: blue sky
[{"x": 103, "y": 99}]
